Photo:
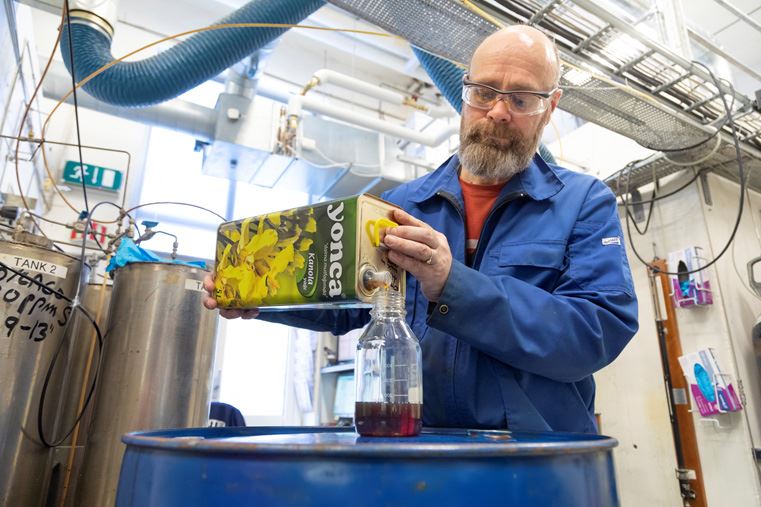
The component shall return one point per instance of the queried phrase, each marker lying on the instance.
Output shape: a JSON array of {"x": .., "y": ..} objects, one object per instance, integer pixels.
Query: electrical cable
[
  {"x": 626, "y": 207},
  {"x": 686, "y": 148},
  {"x": 73, "y": 447},
  {"x": 178, "y": 204},
  {"x": 741, "y": 173},
  {"x": 49, "y": 374},
  {"x": 76, "y": 109},
  {"x": 629, "y": 166},
  {"x": 75, "y": 306},
  {"x": 87, "y": 215},
  {"x": 672, "y": 192},
  {"x": 746, "y": 283},
  {"x": 700, "y": 160},
  {"x": 739, "y": 276}
]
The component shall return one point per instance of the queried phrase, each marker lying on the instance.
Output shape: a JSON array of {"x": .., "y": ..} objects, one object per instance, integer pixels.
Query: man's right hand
[{"x": 211, "y": 303}]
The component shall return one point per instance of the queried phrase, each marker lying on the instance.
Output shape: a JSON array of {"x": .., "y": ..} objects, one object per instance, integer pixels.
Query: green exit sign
[{"x": 94, "y": 176}]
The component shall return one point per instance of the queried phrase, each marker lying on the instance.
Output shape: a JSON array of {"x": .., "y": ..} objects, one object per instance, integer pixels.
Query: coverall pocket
[
  {"x": 544, "y": 254},
  {"x": 539, "y": 263}
]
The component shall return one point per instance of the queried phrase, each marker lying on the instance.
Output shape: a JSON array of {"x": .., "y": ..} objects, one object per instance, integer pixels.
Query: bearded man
[{"x": 518, "y": 286}]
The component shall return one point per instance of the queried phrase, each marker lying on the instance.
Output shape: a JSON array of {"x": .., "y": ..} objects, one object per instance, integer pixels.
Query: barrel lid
[{"x": 322, "y": 441}]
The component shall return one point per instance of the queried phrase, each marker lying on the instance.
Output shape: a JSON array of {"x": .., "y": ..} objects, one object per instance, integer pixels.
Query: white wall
[
  {"x": 631, "y": 401},
  {"x": 631, "y": 393}
]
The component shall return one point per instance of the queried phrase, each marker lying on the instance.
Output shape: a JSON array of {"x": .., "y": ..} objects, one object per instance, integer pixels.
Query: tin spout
[{"x": 373, "y": 279}]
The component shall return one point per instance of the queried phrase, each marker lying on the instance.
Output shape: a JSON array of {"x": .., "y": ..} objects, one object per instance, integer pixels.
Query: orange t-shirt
[{"x": 479, "y": 200}]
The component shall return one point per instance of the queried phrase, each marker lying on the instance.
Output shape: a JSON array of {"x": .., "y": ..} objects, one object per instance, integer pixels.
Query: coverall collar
[{"x": 539, "y": 181}]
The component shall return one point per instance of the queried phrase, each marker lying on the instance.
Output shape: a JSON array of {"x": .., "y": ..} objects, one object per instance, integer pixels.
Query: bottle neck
[{"x": 388, "y": 304}]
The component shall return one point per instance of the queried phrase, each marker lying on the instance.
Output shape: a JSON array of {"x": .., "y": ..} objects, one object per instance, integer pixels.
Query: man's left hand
[{"x": 424, "y": 252}]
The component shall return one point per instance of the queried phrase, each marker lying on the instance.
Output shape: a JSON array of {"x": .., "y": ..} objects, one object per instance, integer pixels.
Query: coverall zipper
[{"x": 476, "y": 257}]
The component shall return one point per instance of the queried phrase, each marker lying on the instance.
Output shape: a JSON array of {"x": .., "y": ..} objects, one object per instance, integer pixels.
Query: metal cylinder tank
[
  {"x": 334, "y": 466},
  {"x": 32, "y": 321},
  {"x": 76, "y": 373},
  {"x": 156, "y": 370}
]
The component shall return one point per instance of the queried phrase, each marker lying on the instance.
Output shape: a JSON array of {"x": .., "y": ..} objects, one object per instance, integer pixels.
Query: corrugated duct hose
[
  {"x": 184, "y": 66},
  {"x": 204, "y": 55},
  {"x": 448, "y": 78}
]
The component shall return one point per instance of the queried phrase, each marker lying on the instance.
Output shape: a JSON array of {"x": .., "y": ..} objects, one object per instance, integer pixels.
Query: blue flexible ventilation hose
[
  {"x": 184, "y": 66},
  {"x": 206, "y": 54},
  {"x": 448, "y": 79}
]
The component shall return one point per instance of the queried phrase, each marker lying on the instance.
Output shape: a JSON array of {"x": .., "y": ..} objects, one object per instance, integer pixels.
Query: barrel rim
[
  {"x": 161, "y": 264},
  {"x": 193, "y": 440}
]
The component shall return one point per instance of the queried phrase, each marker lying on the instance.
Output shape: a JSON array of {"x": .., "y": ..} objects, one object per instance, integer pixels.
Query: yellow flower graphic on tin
[{"x": 258, "y": 254}]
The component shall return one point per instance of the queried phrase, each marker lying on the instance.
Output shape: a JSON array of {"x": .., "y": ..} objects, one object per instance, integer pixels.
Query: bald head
[{"x": 519, "y": 46}]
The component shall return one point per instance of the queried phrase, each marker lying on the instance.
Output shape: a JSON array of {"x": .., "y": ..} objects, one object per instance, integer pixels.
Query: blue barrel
[{"x": 301, "y": 466}]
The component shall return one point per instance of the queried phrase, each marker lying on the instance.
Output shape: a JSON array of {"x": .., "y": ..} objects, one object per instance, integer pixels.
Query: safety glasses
[{"x": 519, "y": 102}]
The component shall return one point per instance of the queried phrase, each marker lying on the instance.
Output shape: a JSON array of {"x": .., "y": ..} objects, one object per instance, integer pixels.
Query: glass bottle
[{"x": 388, "y": 372}]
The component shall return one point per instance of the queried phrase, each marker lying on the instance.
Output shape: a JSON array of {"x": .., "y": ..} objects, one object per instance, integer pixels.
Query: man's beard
[{"x": 495, "y": 152}]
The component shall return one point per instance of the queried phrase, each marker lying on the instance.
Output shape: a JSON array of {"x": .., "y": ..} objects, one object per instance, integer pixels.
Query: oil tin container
[
  {"x": 327, "y": 254},
  {"x": 335, "y": 466}
]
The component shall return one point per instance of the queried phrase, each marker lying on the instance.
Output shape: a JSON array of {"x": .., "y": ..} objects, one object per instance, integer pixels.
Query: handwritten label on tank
[
  {"x": 32, "y": 311},
  {"x": 35, "y": 265},
  {"x": 196, "y": 285}
]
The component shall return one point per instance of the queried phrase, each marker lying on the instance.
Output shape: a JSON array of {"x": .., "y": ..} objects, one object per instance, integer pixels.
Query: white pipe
[
  {"x": 740, "y": 14},
  {"x": 299, "y": 102},
  {"x": 417, "y": 162},
  {"x": 175, "y": 114},
  {"x": 326, "y": 76}
]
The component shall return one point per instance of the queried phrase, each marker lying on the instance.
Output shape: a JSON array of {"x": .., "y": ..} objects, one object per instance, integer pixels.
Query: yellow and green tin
[{"x": 326, "y": 254}]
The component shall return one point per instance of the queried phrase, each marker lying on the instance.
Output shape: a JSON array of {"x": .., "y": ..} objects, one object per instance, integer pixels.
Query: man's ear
[{"x": 555, "y": 99}]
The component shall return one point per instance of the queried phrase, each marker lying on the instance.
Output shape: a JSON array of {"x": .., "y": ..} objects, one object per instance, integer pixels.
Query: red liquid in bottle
[{"x": 388, "y": 419}]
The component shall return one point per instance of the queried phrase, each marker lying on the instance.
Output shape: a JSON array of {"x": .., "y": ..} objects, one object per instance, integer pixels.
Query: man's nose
[{"x": 500, "y": 112}]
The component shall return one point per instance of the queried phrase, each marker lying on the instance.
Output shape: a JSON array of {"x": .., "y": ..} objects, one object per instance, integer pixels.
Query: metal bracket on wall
[
  {"x": 637, "y": 207},
  {"x": 706, "y": 189}
]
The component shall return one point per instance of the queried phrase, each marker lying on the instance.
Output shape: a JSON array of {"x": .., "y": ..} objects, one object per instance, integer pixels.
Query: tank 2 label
[{"x": 35, "y": 265}]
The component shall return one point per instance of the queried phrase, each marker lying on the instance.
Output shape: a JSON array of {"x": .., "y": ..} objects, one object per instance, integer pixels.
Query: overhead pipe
[
  {"x": 740, "y": 14},
  {"x": 299, "y": 102},
  {"x": 176, "y": 114},
  {"x": 207, "y": 54},
  {"x": 326, "y": 76},
  {"x": 181, "y": 67}
]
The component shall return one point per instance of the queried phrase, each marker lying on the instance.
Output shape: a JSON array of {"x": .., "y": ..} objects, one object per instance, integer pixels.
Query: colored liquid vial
[{"x": 388, "y": 372}]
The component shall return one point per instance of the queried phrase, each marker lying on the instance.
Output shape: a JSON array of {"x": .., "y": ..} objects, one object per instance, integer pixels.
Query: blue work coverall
[{"x": 548, "y": 300}]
